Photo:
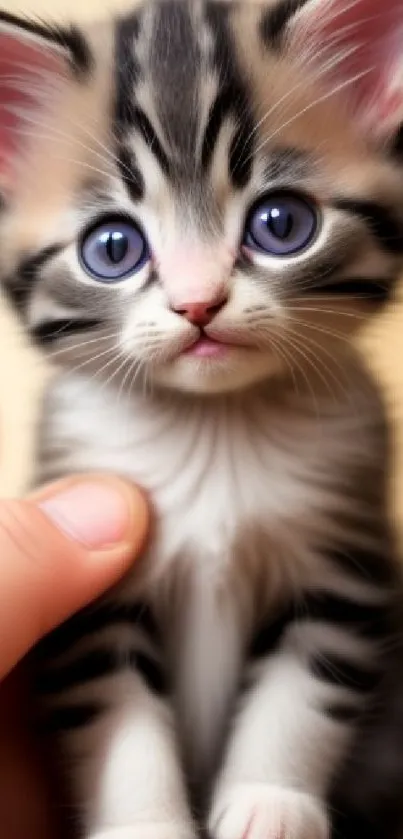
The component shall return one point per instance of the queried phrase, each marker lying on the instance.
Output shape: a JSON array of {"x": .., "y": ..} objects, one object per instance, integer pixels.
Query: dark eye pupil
[
  {"x": 280, "y": 223},
  {"x": 116, "y": 247}
]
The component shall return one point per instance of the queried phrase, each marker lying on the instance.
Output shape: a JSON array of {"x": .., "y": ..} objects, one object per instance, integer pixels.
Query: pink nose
[{"x": 199, "y": 313}]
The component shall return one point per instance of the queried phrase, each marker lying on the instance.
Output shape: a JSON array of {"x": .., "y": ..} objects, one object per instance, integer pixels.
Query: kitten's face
[{"x": 197, "y": 209}]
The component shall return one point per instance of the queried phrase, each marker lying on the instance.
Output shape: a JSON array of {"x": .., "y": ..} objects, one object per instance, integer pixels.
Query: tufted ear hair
[
  {"x": 34, "y": 59},
  {"x": 357, "y": 47}
]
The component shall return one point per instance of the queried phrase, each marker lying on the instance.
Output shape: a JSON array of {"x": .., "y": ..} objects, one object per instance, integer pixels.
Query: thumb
[{"x": 60, "y": 549}]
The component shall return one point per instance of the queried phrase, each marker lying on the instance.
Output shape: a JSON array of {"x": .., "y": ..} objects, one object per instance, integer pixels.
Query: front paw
[{"x": 265, "y": 811}]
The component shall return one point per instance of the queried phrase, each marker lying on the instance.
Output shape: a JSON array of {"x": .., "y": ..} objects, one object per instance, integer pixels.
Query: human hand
[{"x": 59, "y": 549}]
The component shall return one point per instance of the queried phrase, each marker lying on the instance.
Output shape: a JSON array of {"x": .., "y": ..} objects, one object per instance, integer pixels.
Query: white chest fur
[
  {"x": 243, "y": 488},
  {"x": 226, "y": 476}
]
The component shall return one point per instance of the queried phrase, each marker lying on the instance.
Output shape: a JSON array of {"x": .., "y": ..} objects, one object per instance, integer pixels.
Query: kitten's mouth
[{"x": 206, "y": 346}]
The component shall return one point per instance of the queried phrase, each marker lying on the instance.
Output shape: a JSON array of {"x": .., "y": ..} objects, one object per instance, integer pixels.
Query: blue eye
[
  {"x": 113, "y": 250},
  {"x": 281, "y": 224}
]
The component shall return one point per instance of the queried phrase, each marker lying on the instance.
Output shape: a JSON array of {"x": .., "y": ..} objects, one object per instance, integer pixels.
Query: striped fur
[{"x": 227, "y": 683}]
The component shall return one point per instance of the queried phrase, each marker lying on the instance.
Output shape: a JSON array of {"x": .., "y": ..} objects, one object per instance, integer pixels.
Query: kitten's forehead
[
  {"x": 158, "y": 61},
  {"x": 194, "y": 102},
  {"x": 179, "y": 86},
  {"x": 177, "y": 59},
  {"x": 196, "y": 82}
]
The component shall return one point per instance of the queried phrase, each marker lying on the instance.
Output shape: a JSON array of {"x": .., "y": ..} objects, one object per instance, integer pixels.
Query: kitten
[{"x": 202, "y": 203}]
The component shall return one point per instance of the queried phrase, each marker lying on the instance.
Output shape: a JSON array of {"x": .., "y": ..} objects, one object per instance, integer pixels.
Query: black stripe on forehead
[
  {"x": 165, "y": 36},
  {"x": 180, "y": 51},
  {"x": 175, "y": 64},
  {"x": 150, "y": 137},
  {"x": 274, "y": 21},
  {"x": 127, "y": 69},
  {"x": 130, "y": 173},
  {"x": 232, "y": 99}
]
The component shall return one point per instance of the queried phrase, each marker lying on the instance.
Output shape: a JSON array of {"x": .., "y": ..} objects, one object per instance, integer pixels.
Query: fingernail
[{"x": 96, "y": 515}]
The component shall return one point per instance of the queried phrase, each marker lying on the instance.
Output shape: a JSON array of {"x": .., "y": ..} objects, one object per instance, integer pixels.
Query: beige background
[{"x": 22, "y": 371}]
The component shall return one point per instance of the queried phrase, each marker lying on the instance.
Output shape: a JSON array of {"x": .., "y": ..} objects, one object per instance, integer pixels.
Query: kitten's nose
[{"x": 200, "y": 313}]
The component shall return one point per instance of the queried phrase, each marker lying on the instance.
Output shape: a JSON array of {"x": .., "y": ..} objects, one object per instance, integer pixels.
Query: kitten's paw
[
  {"x": 145, "y": 830},
  {"x": 265, "y": 811}
]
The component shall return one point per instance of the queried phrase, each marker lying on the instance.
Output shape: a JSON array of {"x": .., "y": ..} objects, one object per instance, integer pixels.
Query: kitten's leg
[
  {"x": 308, "y": 678},
  {"x": 106, "y": 702}
]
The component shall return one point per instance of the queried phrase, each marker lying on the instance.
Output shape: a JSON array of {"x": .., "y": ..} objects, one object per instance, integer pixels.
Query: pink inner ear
[
  {"x": 370, "y": 34},
  {"x": 22, "y": 64}
]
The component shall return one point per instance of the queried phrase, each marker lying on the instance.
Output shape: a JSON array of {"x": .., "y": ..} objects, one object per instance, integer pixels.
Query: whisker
[
  {"x": 281, "y": 352},
  {"x": 286, "y": 340},
  {"x": 319, "y": 360},
  {"x": 324, "y": 330},
  {"x": 318, "y": 310},
  {"x": 325, "y": 66},
  {"x": 98, "y": 374},
  {"x": 125, "y": 360},
  {"x": 83, "y": 344},
  {"x": 91, "y": 359},
  {"x": 57, "y": 134},
  {"x": 137, "y": 368},
  {"x": 323, "y": 98},
  {"x": 84, "y": 164},
  {"x": 324, "y": 298}
]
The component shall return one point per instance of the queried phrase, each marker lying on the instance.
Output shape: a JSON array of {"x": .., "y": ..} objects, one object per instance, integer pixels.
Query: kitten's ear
[
  {"x": 357, "y": 45},
  {"x": 34, "y": 59}
]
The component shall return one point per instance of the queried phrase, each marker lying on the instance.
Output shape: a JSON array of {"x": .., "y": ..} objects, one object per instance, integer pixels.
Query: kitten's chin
[{"x": 238, "y": 369}]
